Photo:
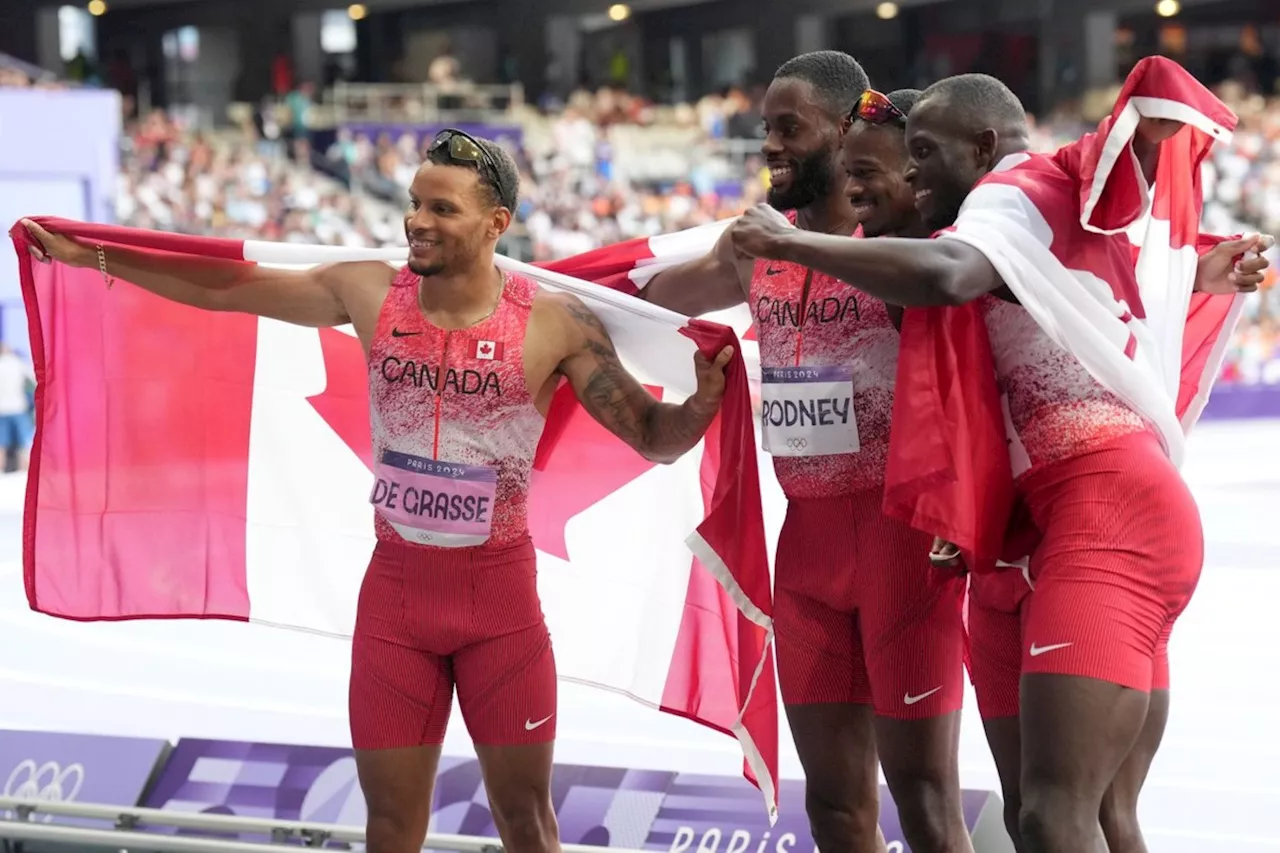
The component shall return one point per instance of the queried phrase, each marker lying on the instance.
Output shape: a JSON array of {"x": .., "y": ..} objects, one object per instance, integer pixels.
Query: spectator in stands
[{"x": 17, "y": 382}]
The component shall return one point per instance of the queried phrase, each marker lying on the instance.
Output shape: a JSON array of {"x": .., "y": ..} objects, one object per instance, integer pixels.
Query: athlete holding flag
[
  {"x": 463, "y": 361},
  {"x": 1120, "y": 546},
  {"x": 870, "y": 640}
]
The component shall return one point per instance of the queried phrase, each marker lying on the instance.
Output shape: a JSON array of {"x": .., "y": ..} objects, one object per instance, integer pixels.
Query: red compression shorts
[
  {"x": 430, "y": 618},
  {"x": 860, "y": 614},
  {"x": 1121, "y": 556}
]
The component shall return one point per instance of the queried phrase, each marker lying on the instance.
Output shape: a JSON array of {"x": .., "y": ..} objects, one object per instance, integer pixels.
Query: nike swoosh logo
[
  {"x": 772, "y": 271},
  {"x": 396, "y": 333},
  {"x": 908, "y": 699},
  {"x": 529, "y": 725},
  {"x": 1036, "y": 651}
]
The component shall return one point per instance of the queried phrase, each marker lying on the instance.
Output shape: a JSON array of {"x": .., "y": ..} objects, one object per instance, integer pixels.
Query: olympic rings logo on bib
[{"x": 808, "y": 411}]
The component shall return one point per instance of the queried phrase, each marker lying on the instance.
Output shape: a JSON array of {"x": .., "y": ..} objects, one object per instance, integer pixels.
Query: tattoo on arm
[{"x": 659, "y": 431}]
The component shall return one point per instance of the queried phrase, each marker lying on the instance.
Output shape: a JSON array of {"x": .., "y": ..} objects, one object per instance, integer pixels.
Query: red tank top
[
  {"x": 828, "y": 369},
  {"x": 455, "y": 428},
  {"x": 1054, "y": 408}
]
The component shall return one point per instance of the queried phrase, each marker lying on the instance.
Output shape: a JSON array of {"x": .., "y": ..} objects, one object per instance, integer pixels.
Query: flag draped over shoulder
[
  {"x": 192, "y": 464},
  {"x": 1106, "y": 267}
]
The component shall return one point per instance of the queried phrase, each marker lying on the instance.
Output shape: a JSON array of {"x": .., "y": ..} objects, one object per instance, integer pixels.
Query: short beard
[
  {"x": 812, "y": 182},
  {"x": 427, "y": 271}
]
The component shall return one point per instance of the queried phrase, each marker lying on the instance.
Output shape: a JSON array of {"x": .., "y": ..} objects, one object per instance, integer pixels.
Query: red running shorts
[
  {"x": 1121, "y": 555},
  {"x": 432, "y": 618},
  {"x": 860, "y": 614}
]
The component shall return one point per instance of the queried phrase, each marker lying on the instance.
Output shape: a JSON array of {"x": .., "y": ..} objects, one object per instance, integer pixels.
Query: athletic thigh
[
  {"x": 400, "y": 694},
  {"x": 819, "y": 652},
  {"x": 1076, "y": 733},
  {"x": 1127, "y": 785},
  {"x": 836, "y": 745},
  {"x": 507, "y": 688},
  {"x": 910, "y": 616},
  {"x": 816, "y": 625},
  {"x": 517, "y": 780},
  {"x": 994, "y": 622},
  {"x": 1120, "y": 558},
  {"x": 398, "y": 785}
]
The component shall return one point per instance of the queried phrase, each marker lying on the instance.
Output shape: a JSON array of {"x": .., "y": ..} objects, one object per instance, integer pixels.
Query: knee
[
  {"x": 838, "y": 823},
  {"x": 391, "y": 830},
  {"x": 929, "y": 810},
  {"x": 526, "y": 821},
  {"x": 1055, "y": 818},
  {"x": 1119, "y": 821}
]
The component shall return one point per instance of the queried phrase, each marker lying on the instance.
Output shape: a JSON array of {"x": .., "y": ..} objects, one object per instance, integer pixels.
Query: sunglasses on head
[
  {"x": 463, "y": 148},
  {"x": 876, "y": 108}
]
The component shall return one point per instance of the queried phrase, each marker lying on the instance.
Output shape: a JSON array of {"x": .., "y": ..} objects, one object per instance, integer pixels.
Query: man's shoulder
[
  {"x": 365, "y": 274},
  {"x": 1040, "y": 175},
  {"x": 1022, "y": 182},
  {"x": 558, "y": 305}
]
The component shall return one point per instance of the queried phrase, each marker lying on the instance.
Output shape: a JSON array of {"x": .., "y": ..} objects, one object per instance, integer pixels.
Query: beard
[
  {"x": 426, "y": 270},
  {"x": 812, "y": 181}
]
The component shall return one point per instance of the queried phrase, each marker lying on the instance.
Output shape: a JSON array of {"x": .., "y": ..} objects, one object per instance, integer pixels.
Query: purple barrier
[
  {"x": 596, "y": 805},
  {"x": 55, "y": 767},
  {"x": 603, "y": 806},
  {"x": 701, "y": 814},
  {"x": 1238, "y": 401}
]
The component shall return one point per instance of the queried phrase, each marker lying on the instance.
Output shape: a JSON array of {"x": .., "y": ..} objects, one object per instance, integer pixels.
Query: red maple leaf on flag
[
  {"x": 486, "y": 348},
  {"x": 572, "y": 438}
]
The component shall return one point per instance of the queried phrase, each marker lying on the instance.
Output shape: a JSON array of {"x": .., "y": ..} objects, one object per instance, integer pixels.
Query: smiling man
[
  {"x": 869, "y": 651},
  {"x": 1121, "y": 545},
  {"x": 463, "y": 361}
]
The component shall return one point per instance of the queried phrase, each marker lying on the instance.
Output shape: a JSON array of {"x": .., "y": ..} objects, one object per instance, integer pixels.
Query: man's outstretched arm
[
  {"x": 717, "y": 281},
  {"x": 309, "y": 297},
  {"x": 900, "y": 271},
  {"x": 660, "y": 432}
]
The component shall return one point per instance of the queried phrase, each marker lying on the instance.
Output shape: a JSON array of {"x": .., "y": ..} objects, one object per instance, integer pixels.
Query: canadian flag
[
  {"x": 190, "y": 464},
  {"x": 1105, "y": 265},
  {"x": 487, "y": 350}
]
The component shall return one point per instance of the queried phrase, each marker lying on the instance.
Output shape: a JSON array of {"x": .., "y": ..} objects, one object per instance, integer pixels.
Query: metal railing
[{"x": 16, "y": 824}]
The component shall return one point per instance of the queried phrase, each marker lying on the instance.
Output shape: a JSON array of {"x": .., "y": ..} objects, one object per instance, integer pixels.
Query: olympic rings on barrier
[{"x": 48, "y": 782}]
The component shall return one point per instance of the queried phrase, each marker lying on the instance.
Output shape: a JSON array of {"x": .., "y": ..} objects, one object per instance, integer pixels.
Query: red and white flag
[
  {"x": 190, "y": 464},
  {"x": 629, "y": 266},
  {"x": 1106, "y": 267}
]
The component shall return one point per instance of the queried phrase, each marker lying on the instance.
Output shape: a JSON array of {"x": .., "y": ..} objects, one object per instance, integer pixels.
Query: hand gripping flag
[
  {"x": 1106, "y": 267},
  {"x": 190, "y": 464}
]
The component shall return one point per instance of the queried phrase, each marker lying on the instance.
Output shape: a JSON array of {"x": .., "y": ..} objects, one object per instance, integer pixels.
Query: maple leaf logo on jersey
[
  {"x": 559, "y": 491},
  {"x": 487, "y": 350}
]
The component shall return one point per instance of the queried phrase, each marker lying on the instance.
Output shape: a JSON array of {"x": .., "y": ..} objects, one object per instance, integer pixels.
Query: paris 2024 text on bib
[
  {"x": 808, "y": 411},
  {"x": 429, "y": 502}
]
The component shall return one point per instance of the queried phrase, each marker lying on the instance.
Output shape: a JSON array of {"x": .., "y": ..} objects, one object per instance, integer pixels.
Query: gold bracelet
[{"x": 102, "y": 266}]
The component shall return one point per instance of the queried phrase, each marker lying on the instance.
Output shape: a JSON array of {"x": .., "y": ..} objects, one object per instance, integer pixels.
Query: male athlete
[
  {"x": 1122, "y": 546},
  {"x": 450, "y": 596},
  {"x": 870, "y": 644}
]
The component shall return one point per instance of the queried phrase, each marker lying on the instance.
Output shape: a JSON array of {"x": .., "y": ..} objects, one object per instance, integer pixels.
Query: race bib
[
  {"x": 435, "y": 503},
  {"x": 807, "y": 411}
]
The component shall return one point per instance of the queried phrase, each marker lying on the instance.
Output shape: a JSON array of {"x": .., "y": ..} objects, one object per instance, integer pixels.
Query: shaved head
[
  {"x": 978, "y": 102},
  {"x": 959, "y": 130}
]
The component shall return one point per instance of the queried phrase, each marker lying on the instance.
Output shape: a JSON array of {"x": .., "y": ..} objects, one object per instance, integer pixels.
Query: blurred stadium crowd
[{"x": 589, "y": 178}]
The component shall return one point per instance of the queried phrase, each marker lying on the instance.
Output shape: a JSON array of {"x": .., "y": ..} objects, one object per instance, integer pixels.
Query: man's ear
[
  {"x": 501, "y": 221},
  {"x": 985, "y": 146}
]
